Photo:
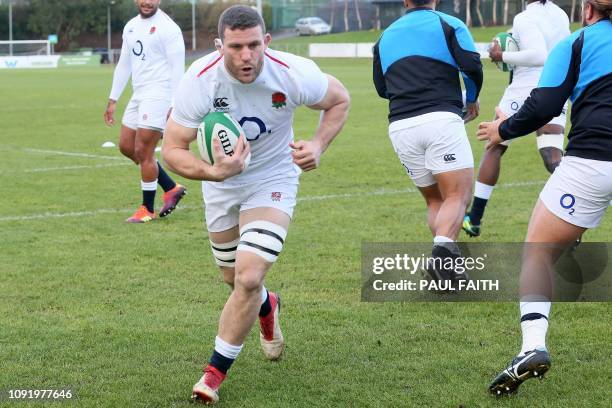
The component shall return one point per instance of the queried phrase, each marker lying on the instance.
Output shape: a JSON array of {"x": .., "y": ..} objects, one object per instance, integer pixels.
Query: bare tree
[
  {"x": 332, "y": 14},
  {"x": 468, "y": 13},
  {"x": 573, "y": 12},
  {"x": 358, "y": 15},
  {"x": 377, "y": 17},
  {"x": 506, "y": 6},
  {"x": 456, "y": 6},
  {"x": 346, "y": 23},
  {"x": 479, "y": 14},
  {"x": 494, "y": 12}
]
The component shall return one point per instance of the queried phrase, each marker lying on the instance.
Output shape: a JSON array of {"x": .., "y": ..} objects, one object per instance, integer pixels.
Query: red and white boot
[
  {"x": 206, "y": 390},
  {"x": 270, "y": 335}
]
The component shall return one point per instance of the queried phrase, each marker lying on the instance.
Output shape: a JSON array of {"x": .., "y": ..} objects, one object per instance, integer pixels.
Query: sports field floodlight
[{"x": 108, "y": 30}]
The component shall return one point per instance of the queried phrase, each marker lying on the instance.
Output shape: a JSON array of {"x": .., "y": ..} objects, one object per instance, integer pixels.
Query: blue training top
[
  {"x": 417, "y": 61},
  {"x": 578, "y": 68}
]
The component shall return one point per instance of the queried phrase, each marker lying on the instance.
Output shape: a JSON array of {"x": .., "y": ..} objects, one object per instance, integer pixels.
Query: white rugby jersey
[
  {"x": 537, "y": 29},
  {"x": 153, "y": 52},
  {"x": 264, "y": 108}
]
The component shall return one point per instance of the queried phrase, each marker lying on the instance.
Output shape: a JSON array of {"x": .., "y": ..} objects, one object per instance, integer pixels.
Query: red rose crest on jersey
[
  {"x": 152, "y": 31},
  {"x": 276, "y": 196},
  {"x": 279, "y": 100}
]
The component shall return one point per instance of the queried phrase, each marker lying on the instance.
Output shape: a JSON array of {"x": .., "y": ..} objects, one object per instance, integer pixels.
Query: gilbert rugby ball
[
  {"x": 507, "y": 43},
  {"x": 223, "y": 127}
]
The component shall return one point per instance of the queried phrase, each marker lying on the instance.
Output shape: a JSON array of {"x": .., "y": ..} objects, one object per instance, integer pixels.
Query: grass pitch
[{"x": 126, "y": 315}]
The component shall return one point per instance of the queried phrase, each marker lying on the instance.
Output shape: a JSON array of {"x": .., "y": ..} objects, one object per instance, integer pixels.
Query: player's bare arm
[
  {"x": 472, "y": 110},
  {"x": 335, "y": 107},
  {"x": 109, "y": 113},
  {"x": 178, "y": 157}
]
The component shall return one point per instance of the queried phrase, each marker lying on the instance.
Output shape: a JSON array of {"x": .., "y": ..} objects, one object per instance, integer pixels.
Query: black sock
[
  {"x": 148, "y": 199},
  {"x": 220, "y": 362},
  {"x": 478, "y": 209},
  {"x": 266, "y": 307},
  {"x": 163, "y": 179}
]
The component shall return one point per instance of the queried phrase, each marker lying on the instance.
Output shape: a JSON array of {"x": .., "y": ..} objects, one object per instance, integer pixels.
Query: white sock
[
  {"x": 482, "y": 190},
  {"x": 148, "y": 185},
  {"x": 534, "y": 331},
  {"x": 264, "y": 294},
  {"x": 439, "y": 239},
  {"x": 225, "y": 349},
  {"x": 534, "y": 304}
]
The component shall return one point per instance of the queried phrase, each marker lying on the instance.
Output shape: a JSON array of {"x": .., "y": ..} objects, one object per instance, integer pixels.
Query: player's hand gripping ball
[{"x": 223, "y": 127}]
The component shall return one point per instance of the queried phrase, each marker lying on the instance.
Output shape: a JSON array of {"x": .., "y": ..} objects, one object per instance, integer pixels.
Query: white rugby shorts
[
  {"x": 579, "y": 191},
  {"x": 513, "y": 99},
  {"x": 224, "y": 204},
  {"x": 430, "y": 144},
  {"x": 146, "y": 113}
]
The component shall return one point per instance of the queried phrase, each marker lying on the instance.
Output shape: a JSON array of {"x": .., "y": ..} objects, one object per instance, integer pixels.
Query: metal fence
[{"x": 351, "y": 15}]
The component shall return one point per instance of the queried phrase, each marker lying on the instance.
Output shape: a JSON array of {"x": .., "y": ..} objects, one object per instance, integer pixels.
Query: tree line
[
  {"x": 81, "y": 23},
  {"x": 502, "y": 7}
]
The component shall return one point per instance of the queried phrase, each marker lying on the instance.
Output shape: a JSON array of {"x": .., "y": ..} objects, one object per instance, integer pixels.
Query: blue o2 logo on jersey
[
  {"x": 567, "y": 201},
  {"x": 253, "y": 127},
  {"x": 138, "y": 50}
]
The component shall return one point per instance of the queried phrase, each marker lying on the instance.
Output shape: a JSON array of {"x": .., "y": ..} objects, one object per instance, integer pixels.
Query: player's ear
[
  {"x": 591, "y": 11},
  {"x": 267, "y": 39},
  {"x": 587, "y": 10}
]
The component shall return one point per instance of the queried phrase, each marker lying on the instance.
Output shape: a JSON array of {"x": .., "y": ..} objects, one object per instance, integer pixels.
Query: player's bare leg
[
  {"x": 242, "y": 307},
  {"x": 145, "y": 141},
  {"x": 224, "y": 240},
  {"x": 490, "y": 165},
  {"x": 447, "y": 201},
  {"x": 433, "y": 199},
  {"x": 488, "y": 174},
  {"x": 152, "y": 173},
  {"x": 127, "y": 141},
  {"x": 246, "y": 301},
  {"x": 550, "y": 139},
  {"x": 547, "y": 237},
  {"x": 456, "y": 190},
  {"x": 127, "y": 146},
  {"x": 551, "y": 236},
  {"x": 144, "y": 152}
]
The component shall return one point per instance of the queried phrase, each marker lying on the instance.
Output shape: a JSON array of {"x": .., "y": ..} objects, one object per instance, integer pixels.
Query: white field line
[
  {"x": 62, "y": 153},
  {"x": 97, "y": 166},
  {"x": 381, "y": 192}
]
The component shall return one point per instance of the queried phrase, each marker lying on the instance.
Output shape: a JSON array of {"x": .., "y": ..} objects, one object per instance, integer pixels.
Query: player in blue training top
[
  {"x": 417, "y": 62},
  {"x": 578, "y": 193},
  {"x": 536, "y": 30}
]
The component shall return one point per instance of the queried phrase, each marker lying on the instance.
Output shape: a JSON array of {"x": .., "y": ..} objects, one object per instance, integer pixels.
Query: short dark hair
[
  {"x": 240, "y": 18},
  {"x": 602, "y": 6},
  {"x": 419, "y": 3}
]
